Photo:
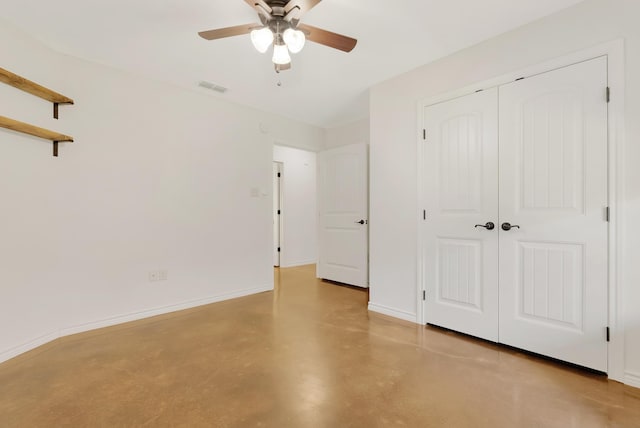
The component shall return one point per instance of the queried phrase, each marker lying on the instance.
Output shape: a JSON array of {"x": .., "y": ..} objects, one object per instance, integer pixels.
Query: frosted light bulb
[
  {"x": 281, "y": 55},
  {"x": 294, "y": 39},
  {"x": 262, "y": 39}
]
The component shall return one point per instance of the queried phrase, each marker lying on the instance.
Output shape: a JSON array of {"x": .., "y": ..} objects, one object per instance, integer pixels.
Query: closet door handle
[
  {"x": 509, "y": 226},
  {"x": 489, "y": 225}
]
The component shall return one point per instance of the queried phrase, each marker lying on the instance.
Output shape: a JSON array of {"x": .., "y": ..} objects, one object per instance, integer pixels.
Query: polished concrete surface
[{"x": 306, "y": 355}]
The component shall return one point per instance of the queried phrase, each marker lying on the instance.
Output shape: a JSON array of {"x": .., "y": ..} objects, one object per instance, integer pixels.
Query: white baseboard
[
  {"x": 296, "y": 264},
  {"x": 26, "y": 347},
  {"x": 632, "y": 379},
  {"x": 385, "y": 310},
  {"x": 134, "y": 316}
]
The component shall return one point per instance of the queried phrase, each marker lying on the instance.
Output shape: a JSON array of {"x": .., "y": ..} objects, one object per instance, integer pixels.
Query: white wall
[
  {"x": 158, "y": 178},
  {"x": 394, "y": 135},
  {"x": 352, "y": 133},
  {"x": 299, "y": 215}
]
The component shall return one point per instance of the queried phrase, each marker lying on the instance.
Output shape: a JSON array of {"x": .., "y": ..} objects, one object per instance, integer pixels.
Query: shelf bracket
[
  {"x": 25, "y": 128},
  {"x": 56, "y": 108}
]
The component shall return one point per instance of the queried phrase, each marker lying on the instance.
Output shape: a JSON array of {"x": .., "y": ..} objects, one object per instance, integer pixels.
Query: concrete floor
[{"x": 306, "y": 355}]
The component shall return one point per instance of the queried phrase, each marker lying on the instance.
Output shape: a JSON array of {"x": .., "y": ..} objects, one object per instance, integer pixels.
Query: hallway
[{"x": 308, "y": 354}]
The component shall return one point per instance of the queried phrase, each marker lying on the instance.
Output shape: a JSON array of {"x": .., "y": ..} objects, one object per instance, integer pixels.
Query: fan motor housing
[{"x": 277, "y": 11}]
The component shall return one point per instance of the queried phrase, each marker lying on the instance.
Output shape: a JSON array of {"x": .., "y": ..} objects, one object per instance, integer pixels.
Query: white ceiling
[{"x": 326, "y": 87}]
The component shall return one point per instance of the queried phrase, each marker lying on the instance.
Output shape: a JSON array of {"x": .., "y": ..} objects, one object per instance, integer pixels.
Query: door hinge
[
  {"x": 608, "y": 94},
  {"x": 519, "y": 78},
  {"x": 278, "y": 212},
  {"x": 608, "y": 214},
  {"x": 608, "y": 334},
  {"x": 278, "y": 249},
  {"x": 424, "y": 134},
  {"x": 424, "y": 214},
  {"x": 424, "y": 294}
]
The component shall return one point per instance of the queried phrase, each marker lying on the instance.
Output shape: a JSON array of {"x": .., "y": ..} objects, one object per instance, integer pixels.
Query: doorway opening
[{"x": 294, "y": 207}]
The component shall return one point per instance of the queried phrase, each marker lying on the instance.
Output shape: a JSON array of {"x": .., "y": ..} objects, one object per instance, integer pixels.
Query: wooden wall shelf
[
  {"x": 25, "y": 128},
  {"x": 33, "y": 88}
]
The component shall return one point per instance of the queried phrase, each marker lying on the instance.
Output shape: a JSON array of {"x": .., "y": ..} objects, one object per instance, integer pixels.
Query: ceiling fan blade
[
  {"x": 304, "y": 5},
  {"x": 327, "y": 38},
  {"x": 221, "y": 33}
]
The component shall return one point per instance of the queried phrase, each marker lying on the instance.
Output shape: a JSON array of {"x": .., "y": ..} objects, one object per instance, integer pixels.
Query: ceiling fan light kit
[
  {"x": 281, "y": 28},
  {"x": 289, "y": 41}
]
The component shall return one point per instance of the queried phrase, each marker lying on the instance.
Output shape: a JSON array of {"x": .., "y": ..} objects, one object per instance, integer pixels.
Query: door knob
[
  {"x": 489, "y": 225},
  {"x": 509, "y": 226},
  {"x": 361, "y": 222}
]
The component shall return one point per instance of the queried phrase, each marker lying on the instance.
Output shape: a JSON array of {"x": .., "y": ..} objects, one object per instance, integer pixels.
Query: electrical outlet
[
  {"x": 163, "y": 275},
  {"x": 154, "y": 276}
]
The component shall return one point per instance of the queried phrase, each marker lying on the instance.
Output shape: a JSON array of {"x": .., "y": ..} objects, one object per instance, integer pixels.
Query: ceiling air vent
[{"x": 212, "y": 86}]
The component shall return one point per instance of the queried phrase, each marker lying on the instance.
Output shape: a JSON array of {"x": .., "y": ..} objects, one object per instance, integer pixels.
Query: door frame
[{"x": 614, "y": 51}]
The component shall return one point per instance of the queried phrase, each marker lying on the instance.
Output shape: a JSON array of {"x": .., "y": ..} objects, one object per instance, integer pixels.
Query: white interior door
[
  {"x": 277, "y": 212},
  {"x": 553, "y": 185},
  {"x": 343, "y": 239},
  {"x": 460, "y": 188}
]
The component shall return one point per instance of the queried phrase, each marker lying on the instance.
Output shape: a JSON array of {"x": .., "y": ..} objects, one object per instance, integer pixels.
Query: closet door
[
  {"x": 553, "y": 193},
  {"x": 460, "y": 186}
]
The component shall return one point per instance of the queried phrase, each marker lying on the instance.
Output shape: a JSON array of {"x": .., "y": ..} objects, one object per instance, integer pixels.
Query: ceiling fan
[{"x": 280, "y": 26}]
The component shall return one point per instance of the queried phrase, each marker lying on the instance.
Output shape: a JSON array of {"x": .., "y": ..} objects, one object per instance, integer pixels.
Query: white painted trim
[
  {"x": 614, "y": 51},
  {"x": 161, "y": 310},
  {"x": 420, "y": 313},
  {"x": 396, "y": 313},
  {"x": 134, "y": 316},
  {"x": 609, "y": 48},
  {"x": 632, "y": 379},
  {"x": 617, "y": 135},
  {"x": 28, "y": 346},
  {"x": 299, "y": 263}
]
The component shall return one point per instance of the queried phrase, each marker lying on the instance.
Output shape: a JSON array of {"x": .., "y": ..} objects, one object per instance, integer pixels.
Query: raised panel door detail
[
  {"x": 340, "y": 198},
  {"x": 461, "y": 164},
  {"x": 459, "y": 276},
  {"x": 552, "y": 146},
  {"x": 551, "y": 283},
  {"x": 343, "y": 243}
]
